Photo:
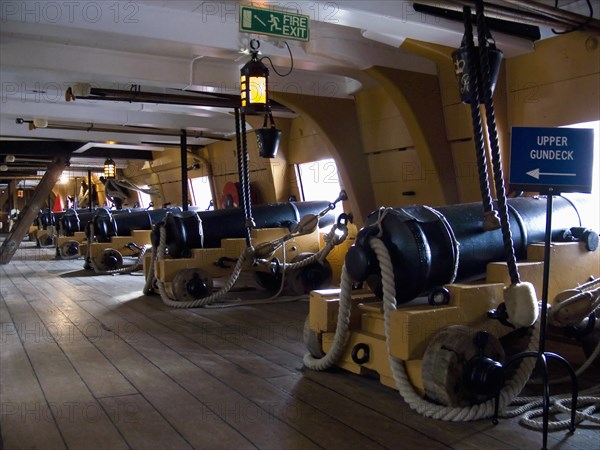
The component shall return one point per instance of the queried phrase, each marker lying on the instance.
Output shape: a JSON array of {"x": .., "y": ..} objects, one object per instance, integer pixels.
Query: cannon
[
  {"x": 205, "y": 245},
  {"x": 46, "y": 225},
  {"x": 206, "y": 229},
  {"x": 434, "y": 246},
  {"x": 120, "y": 233},
  {"x": 73, "y": 229},
  {"x": 50, "y": 225},
  {"x": 450, "y": 279},
  {"x": 114, "y": 223}
]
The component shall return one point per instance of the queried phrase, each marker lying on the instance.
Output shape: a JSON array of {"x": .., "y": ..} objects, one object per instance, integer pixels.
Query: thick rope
[
  {"x": 125, "y": 269},
  {"x": 474, "y": 88},
  {"x": 262, "y": 301},
  {"x": 414, "y": 400},
  {"x": 243, "y": 160},
  {"x": 448, "y": 413},
  {"x": 342, "y": 332},
  {"x": 205, "y": 300},
  {"x": 246, "y": 167},
  {"x": 486, "y": 86},
  {"x": 331, "y": 240},
  {"x": 530, "y": 407},
  {"x": 508, "y": 394}
]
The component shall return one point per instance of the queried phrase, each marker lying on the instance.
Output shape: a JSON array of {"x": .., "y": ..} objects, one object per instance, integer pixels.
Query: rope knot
[{"x": 381, "y": 213}]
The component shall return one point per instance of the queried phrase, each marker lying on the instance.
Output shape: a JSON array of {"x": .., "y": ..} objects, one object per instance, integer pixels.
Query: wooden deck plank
[
  {"x": 400, "y": 429},
  {"x": 101, "y": 377},
  {"x": 504, "y": 431},
  {"x": 24, "y": 413},
  {"x": 245, "y": 359},
  {"x": 178, "y": 406},
  {"x": 232, "y": 322},
  {"x": 282, "y": 333},
  {"x": 373, "y": 424},
  {"x": 220, "y": 400},
  {"x": 141, "y": 424},
  {"x": 270, "y": 407},
  {"x": 76, "y": 412},
  {"x": 240, "y": 411},
  {"x": 238, "y": 367}
]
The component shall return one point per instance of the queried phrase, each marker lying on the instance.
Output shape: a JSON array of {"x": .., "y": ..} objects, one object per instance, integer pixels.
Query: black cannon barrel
[
  {"x": 47, "y": 217},
  {"x": 205, "y": 229},
  {"x": 428, "y": 245},
  {"x": 73, "y": 221},
  {"x": 77, "y": 220},
  {"x": 108, "y": 225}
]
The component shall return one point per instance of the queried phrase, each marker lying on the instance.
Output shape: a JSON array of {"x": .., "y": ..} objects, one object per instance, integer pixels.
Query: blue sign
[{"x": 557, "y": 158}]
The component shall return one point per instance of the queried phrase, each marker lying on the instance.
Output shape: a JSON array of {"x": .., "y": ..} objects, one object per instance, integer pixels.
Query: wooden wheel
[
  {"x": 109, "y": 259},
  {"x": 267, "y": 280},
  {"x": 69, "y": 250},
  {"x": 448, "y": 361},
  {"x": 46, "y": 241},
  {"x": 305, "y": 279},
  {"x": 191, "y": 284}
]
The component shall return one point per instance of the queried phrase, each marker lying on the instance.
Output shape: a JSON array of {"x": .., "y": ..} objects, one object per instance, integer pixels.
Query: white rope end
[{"x": 521, "y": 304}]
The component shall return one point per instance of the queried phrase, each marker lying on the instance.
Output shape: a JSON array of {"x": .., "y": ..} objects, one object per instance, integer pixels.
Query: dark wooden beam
[
  {"x": 12, "y": 185},
  {"x": 30, "y": 212},
  {"x": 184, "y": 171}
]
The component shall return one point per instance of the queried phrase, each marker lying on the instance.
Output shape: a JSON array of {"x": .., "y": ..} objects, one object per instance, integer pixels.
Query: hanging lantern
[
  {"x": 254, "y": 83},
  {"x": 110, "y": 168}
]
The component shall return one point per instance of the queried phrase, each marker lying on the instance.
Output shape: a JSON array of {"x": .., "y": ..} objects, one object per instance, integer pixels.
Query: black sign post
[{"x": 550, "y": 161}]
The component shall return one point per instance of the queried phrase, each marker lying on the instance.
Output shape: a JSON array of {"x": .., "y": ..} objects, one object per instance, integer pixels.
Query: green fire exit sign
[{"x": 274, "y": 23}]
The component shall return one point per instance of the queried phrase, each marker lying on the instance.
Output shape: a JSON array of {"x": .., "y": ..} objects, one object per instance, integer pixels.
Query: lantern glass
[
  {"x": 110, "y": 168},
  {"x": 258, "y": 91}
]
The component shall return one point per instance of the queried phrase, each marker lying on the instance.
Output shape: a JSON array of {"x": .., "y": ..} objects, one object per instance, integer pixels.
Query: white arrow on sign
[{"x": 535, "y": 173}]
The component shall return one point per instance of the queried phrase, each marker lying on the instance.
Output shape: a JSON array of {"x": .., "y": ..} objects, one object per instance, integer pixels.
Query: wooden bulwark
[{"x": 90, "y": 362}]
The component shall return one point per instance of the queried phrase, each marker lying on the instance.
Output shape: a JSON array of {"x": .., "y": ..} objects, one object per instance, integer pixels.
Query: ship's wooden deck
[{"x": 89, "y": 362}]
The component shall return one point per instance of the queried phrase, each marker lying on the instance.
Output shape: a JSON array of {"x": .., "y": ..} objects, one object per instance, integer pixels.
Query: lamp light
[
  {"x": 110, "y": 168},
  {"x": 254, "y": 83}
]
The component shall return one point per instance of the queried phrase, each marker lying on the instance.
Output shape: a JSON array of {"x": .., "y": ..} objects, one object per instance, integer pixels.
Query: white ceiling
[{"x": 169, "y": 46}]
